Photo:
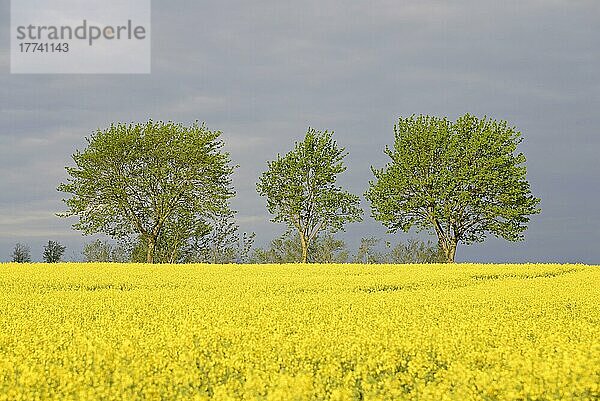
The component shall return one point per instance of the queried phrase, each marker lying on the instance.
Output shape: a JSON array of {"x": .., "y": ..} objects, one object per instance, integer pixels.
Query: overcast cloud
[{"x": 263, "y": 71}]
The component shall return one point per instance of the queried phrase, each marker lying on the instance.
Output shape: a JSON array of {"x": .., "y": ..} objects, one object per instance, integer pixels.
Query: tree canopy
[
  {"x": 302, "y": 192},
  {"x": 162, "y": 182},
  {"x": 461, "y": 179}
]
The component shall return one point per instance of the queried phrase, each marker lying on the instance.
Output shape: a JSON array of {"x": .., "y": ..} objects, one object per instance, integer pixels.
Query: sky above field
[{"x": 264, "y": 71}]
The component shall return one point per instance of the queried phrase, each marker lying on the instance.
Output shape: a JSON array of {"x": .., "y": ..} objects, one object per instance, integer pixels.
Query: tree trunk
[
  {"x": 304, "y": 248},
  {"x": 150, "y": 252},
  {"x": 449, "y": 248},
  {"x": 173, "y": 257}
]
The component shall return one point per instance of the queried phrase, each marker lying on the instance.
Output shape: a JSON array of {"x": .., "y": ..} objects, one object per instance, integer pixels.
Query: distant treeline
[
  {"x": 162, "y": 191},
  {"x": 284, "y": 249}
]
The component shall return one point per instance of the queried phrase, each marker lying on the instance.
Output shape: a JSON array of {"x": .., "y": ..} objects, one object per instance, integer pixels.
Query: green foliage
[
  {"x": 103, "y": 251},
  {"x": 288, "y": 249},
  {"x": 328, "y": 249},
  {"x": 367, "y": 252},
  {"x": 245, "y": 244},
  {"x": 285, "y": 249},
  {"x": 53, "y": 252},
  {"x": 222, "y": 244},
  {"x": 158, "y": 181},
  {"x": 462, "y": 179},
  {"x": 411, "y": 251},
  {"x": 218, "y": 242},
  {"x": 301, "y": 189},
  {"x": 21, "y": 253},
  {"x": 415, "y": 251},
  {"x": 222, "y": 240}
]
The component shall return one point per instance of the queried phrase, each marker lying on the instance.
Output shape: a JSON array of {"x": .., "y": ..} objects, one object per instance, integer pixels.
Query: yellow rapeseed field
[{"x": 299, "y": 332}]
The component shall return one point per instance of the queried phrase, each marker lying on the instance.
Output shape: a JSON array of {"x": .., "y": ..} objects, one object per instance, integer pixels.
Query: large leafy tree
[
  {"x": 462, "y": 179},
  {"x": 302, "y": 191},
  {"x": 157, "y": 181}
]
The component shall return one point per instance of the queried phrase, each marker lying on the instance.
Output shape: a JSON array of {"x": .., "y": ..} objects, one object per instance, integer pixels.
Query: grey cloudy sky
[{"x": 263, "y": 71}]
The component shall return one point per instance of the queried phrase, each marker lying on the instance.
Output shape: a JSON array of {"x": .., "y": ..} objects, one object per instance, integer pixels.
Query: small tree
[
  {"x": 367, "y": 251},
  {"x": 244, "y": 247},
  {"x": 21, "y": 253},
  {"x": 287, "y": 249},
  {"x": 329, "y": 249},
  {"x": 301, "y": 189},
  {"x": 53, "y": 252},
  {"x": 119, "y": 254},
  {"x": 461, "y": 179},
  {"x": 96, "y": 251},
  {"x": 223, "y": 239},
  {"x": 415, "y": 251},
  {"x": 103, "y": 251},
  {"x": 183, "y": 238}
]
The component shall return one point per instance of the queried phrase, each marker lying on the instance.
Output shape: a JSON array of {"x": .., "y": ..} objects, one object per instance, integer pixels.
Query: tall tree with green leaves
[
  {"x": 302, "y": 192},
  {"x": 461, "y": 179},
  {"x": 147, "y": 178}
]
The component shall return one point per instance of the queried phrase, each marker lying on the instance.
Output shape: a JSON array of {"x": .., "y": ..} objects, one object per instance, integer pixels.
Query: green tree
[
  {"x": 53, "y": 252},
  {"x": 462, "y": 179},
  {"x": 21, "y": 253},
  {"x": 412, "y": 251},
  {"x": 301, "y": 189},
  {"x": 148, "y": 180}
]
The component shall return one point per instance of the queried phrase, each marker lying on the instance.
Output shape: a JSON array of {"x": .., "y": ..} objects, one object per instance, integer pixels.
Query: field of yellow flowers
[{"x": 293, "y": 332}]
